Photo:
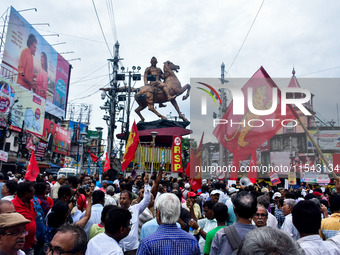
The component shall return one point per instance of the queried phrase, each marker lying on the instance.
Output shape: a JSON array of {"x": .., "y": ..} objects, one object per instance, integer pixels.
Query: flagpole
[
  {"x": 312, "y": 140},
  {"x": 89, "y": 167}
]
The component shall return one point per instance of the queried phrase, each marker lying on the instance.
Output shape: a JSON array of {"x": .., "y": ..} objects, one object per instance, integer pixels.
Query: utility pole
[
  {"x": 112, "y": 97},
  {"x": 222, "y": 109}
]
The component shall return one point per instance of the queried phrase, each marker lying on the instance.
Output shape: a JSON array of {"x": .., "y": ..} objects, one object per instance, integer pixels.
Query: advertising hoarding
[
  {"x": 39, "y": 68},
  {"x": 326, "y": 139},
  {"x": 58, "y": 139},
  {"x": 75, "y": 131},
  {"x": 30, "y": 107}
]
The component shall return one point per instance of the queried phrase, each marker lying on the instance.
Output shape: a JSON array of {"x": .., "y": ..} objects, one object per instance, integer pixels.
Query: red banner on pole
[
  {"x": 177, "y": 154},
  {"x": 107, "y": 165},
  {"x": 32, "y": 169}
]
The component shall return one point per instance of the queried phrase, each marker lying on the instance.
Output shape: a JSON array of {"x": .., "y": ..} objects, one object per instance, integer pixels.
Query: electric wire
[
  {"x": 101, "y": 28},
  {"x": 320, "y": 71},
  {"x": 112, "y": 18},
  {"x": 251, "y": 26}
]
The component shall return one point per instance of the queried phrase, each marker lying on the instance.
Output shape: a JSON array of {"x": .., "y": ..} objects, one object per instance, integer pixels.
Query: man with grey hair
[
  {"x": 61, "y": 179},
  {"x": 6, "y": 207},
  {"x": 109, "y": 199},
  {"x": 265, "y": 202},
  {"x": 168, "y": 239},
  {"x": 288, "y": 225},
  {"x": 267, "y": 240},
  {"x": 68, "y": 239}
]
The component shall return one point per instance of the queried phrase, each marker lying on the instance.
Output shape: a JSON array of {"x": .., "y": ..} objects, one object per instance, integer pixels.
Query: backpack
[
  {"x": 233, "y": 237},
  {"x": 40, "y": 220}
]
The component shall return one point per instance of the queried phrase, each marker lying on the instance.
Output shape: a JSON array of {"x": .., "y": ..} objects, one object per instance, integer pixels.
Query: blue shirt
[
  {"x": 169, "y": 240},
  {"x": 151, "y": 227}
]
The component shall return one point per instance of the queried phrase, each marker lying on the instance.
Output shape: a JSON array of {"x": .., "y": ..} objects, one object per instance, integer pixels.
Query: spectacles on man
[
  {"x": 55, "y": 250},
  {"x": 262, "y": 215},
  {"x": 25, "y": 233}
]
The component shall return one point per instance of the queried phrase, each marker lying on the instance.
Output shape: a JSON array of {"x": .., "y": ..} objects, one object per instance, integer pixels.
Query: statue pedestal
[{"x": 166, "y": 129}]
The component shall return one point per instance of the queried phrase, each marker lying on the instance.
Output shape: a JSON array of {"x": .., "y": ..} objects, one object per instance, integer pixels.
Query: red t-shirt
[
  {"x": 29, "y": 213},
  {"x": 49, "y": 200}
]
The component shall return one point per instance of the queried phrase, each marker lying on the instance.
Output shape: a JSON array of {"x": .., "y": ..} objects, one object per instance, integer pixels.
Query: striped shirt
[{"x": 169, "y": 240}]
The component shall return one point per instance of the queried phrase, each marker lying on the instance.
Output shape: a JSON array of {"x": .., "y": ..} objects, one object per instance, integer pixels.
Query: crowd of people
[{"x": 159, "y": 215}]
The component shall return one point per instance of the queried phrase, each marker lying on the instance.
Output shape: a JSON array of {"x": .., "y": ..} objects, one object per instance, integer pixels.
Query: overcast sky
[{"x": 198, "y": 36}]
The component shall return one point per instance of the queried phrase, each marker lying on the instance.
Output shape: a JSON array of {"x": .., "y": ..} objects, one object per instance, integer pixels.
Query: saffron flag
[
  {"x": 195, "y": 176},
  {"x": 252, "y": 173},
  {"x": 131, "y": 146},
  {"x": 32, "y": 169},
  {"x": 93, "y": 157},
  {"x": 235, "y": 167},
  {"x": 107, "y": 165},
  {"x": 246, "y": 132}
]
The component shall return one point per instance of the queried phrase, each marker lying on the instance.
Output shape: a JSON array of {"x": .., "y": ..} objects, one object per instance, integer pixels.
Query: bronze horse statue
[{"x": 148, "y": 95}]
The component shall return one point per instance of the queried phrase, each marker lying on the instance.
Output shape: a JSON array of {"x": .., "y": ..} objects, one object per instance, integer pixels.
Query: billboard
[
  {"x": 58, "y": 139},
  {"x": 30, "y": 107},
  {"x": 326, "y": 139},
  {"x": 75, "y": 131},
  {"x": 39, "y": 68}
]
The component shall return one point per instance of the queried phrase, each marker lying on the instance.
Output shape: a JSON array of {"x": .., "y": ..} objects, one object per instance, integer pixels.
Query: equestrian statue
[{"x": 158, "y": 91}]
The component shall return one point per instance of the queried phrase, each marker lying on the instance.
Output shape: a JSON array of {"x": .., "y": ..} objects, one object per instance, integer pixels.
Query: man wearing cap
[
  {"x": 12, "y": 233},
  {"x": 61, "y": 179},
  {"x": 231, "y": 214},
  {"x": 186, "y": 191},
  {"x": 191, "y": 203},
  {"x": 214, "y": 196}
]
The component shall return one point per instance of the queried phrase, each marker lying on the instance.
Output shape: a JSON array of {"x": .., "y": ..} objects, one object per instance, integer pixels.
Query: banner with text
[{"x": 177, "y": 154}]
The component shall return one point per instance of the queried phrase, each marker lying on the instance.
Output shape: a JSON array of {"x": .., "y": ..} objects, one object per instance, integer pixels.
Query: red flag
[
  {"x": 252, "y": 174},
  {"x": 32, "y": 169},
  {"x": 93, "y": 157},
  {"x": 195, "y": 175},
  {"x": 131, "y": 146},
  {"x": 248, "y": 131},
  {"x": 235, "y": 167},
  {"x": 107, "y": 165}
]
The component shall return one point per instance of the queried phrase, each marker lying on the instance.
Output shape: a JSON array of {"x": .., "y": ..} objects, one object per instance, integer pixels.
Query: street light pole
[{"x": 153, "y": 134}]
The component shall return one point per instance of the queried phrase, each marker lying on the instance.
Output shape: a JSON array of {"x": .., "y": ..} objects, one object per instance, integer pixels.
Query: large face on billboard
[
  {"x": 36, "y": 65},
  {"x": 29, "y": 109}
]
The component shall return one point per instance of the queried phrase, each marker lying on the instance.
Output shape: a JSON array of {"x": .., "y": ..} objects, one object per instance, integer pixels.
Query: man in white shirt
[
  {"x": 117, "y": 226},
  {"x": 265, "y": 202},
  {"x": 61, "y": 179},
  {"x": 203, "y": 226},
  {"x": 9, "y": 189},
  {"x": 98, "y": 200},
  {"x": 307, "y": 220},
  {"x": 287, "y": 225},
  {"x": 109, "y": 199},
  {"x": 130, "y": 243}
]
